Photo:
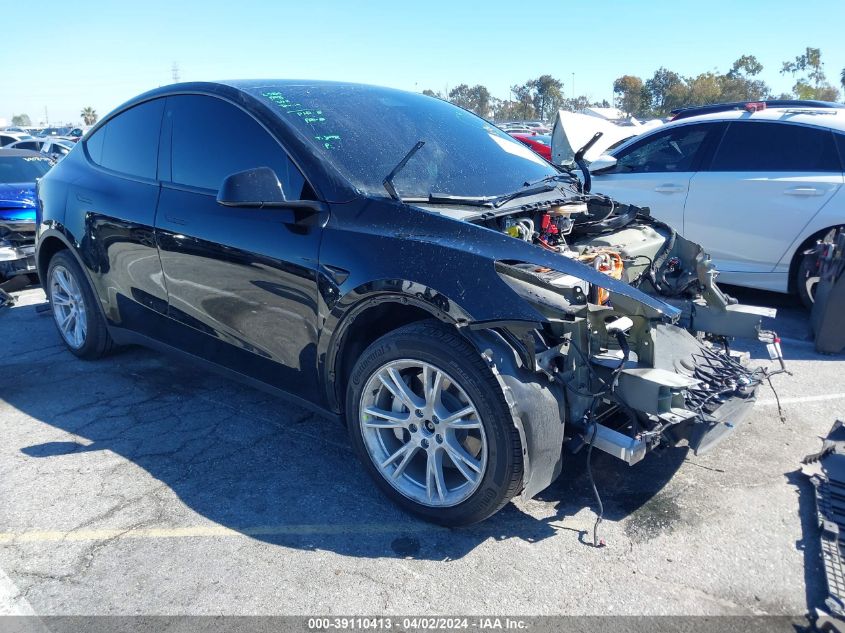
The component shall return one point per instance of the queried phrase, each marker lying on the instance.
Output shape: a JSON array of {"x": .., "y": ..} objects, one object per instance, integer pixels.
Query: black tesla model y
[{"x": 466, "y": 308}]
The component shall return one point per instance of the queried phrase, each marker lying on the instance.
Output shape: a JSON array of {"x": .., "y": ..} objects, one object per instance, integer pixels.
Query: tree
[
  {"x": 21, "y": 120},
  {"x": 738, "y": 84},
  {"x": 524, "y": 103},
  {"x": 481, "y": 100},
  {"x": 745, "y": 66},
  {"x": 547, "y": 95},
  {"x": 477, "y": 99},
  {"x": 813, "y": 85},
  {"x": 666, "y": 91},
  {"x": 431, "y": 93},
  {"x": 706, "y": 88},
  {"x": 89, "y": 115},
  {"x": 628, "y": 91},
  {"x": 842, "y": 79}
]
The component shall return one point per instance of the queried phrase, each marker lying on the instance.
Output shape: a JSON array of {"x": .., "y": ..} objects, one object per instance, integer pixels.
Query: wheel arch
[
  {"x": 53, "y": 241},
  {"x": 537, "y": 406},
  {"x": 360, "y": 325},
  {"x": 48, "y": 246},
  {"x": 795, "y": 261}
]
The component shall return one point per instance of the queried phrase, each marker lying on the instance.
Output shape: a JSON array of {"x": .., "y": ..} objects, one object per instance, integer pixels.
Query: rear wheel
[
  {"x": 75, "y": 312},
  {"x": 430, "y": 423},
  {"x": 807, "y": 274}
]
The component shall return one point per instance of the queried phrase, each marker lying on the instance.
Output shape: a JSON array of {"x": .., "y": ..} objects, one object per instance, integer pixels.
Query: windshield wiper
[
  {"x": 564, "y": 176},
  {"x": 388, "y": 181},
  {"x": 445, "y": 198},
  {"x": 522, "y": 193},
  {"x": 493, "y": 202}
]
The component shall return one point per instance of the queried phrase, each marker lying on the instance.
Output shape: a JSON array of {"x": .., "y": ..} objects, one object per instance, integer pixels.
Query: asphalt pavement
[{"x": 141, "y": 485}]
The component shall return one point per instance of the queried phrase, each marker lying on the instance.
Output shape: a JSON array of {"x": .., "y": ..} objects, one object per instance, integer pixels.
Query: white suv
[{"x": 756, "y": 188}]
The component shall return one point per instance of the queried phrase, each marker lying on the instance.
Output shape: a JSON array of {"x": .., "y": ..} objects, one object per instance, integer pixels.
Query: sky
[{"x": 67, "y": 56}]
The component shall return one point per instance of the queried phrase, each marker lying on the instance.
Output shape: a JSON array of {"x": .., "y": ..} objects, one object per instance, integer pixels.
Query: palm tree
[{"x": 89, "y": 115}]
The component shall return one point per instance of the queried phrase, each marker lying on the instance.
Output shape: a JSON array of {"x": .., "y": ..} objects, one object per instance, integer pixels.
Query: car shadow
[
  {"x": 815, "y": 582},
  {"x": 254, "y": 463}
]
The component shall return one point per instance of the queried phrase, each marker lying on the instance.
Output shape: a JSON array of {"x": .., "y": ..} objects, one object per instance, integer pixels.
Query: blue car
[{"x": 19, "y": 169}]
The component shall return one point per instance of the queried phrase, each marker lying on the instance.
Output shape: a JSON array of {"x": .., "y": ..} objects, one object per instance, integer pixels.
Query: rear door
[
  {"x": 111, "y": 211},
  {"x": 655, "y": 171},
  {"x": 766, "y": 181},
  {"x": 241, "y": 281}
]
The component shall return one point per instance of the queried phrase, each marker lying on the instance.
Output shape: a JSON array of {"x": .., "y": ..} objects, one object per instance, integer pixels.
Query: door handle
[
  {"x": 803, "y": 191},
  {"x": 175, "y": 220},
  {"x": 668, "y": 188}
]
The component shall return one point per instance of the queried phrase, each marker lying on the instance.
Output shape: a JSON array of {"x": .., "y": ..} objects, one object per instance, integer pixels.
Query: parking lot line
[
  {"x": 768, "y": 402},
  {"x": 200, "y": 531},
  {"x": 43, "y": 536}
]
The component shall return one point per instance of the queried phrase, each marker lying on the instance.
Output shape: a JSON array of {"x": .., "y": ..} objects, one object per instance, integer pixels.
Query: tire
[
  {"x": 72, "y": 300},
  {"x": 807, "y": 273},
  {"x": 455, "y": 469}
]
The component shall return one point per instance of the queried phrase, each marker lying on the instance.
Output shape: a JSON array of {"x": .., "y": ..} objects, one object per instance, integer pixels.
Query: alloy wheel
[
  {"x": 68, "y": 307},
  {"x": 423, "y": 433}
]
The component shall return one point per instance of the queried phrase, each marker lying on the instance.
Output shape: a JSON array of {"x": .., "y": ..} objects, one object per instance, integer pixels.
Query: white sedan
[{"x": 755, "y": 188}]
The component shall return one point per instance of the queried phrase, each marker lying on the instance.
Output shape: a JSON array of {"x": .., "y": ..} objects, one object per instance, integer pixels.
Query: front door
[
  {"x": 655, "y": 171},
  {"x": 241, "y": 281}
]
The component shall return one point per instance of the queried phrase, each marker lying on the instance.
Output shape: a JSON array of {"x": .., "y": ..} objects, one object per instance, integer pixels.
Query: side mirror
[
  {"x": 259, "y": 187},
  {"x": 602, "y": 164}
]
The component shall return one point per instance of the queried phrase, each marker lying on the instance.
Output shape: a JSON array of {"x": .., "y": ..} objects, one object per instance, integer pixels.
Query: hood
[
  {"x": 471, "y": 237},
  {"x": 572, "y": 130},
  {"x": 17, "y": 202}
]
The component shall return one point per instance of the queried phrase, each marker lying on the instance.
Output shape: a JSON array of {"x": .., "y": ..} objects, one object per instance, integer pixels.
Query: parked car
[
  {"x": 540, "y": 143},
  {"x": 7, "y": 138},
  {"x": 756, "y": 188},
  {"x": 54, "y": 131},
  {"x": 55, "y": 148},
  {"x": 538, "y": 127},
  {"x": 683, "y": 113},
  {"x": 19, "y": 171},
  {"x": 461, "y": 303},
  {"x": 75, "y": 134}
]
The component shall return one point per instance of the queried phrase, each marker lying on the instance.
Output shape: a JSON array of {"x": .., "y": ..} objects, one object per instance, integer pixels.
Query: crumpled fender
[{"x": 537, "y": 408}]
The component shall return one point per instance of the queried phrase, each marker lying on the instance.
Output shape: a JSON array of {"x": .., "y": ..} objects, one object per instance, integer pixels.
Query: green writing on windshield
[
  {"x": 328, "y": 140},
  {"x": 308, "y": 115}
]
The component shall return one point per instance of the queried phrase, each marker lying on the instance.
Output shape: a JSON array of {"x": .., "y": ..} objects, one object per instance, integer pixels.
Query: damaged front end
[{"x": 624, "y": 376}]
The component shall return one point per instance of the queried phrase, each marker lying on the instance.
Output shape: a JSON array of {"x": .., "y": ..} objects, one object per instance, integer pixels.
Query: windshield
[
  {"x": 22, "y": 168},
  {"x": 364, "y": 132}
]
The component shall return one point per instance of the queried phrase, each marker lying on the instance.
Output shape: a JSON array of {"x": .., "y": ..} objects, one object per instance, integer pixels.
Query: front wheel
[{"x": 429, "y": 421}]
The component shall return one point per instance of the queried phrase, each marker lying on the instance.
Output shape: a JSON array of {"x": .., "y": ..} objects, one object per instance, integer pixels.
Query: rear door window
[
  {"x": 128, "y": 143},
  {"x": 212, "y": 139},
  {"x": 672, "y": 150},
  {"x": 767, "y": 146}
]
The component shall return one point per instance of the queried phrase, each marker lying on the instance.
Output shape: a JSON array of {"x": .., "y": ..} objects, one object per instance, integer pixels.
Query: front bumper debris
[
  {"x": 16, "y": 260},
  {"x": 826, "y": 470}
]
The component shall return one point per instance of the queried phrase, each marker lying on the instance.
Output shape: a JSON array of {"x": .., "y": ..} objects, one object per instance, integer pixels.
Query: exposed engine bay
[{"x": 629, "y": 382}]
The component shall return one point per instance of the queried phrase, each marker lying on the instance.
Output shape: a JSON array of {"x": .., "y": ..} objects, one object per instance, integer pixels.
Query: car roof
[
  {"x": 831, "y": 118},
  {"x": 20, "y": 152},
  {"x": 688, "y": 111}
]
